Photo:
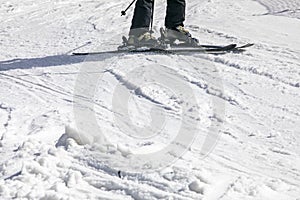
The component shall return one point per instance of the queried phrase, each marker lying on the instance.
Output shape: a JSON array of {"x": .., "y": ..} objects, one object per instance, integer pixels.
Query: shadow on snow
[{"x": 48, "y": 61}]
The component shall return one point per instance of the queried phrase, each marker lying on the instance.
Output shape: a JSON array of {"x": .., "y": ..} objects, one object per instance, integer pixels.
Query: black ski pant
[{"x": 143, "y": 11}]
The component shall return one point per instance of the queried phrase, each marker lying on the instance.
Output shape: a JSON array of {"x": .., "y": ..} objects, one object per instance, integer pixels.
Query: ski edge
[{"x": 217, "y": 49}]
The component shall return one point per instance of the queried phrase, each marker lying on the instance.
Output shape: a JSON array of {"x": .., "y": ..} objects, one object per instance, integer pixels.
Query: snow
[{"x": 149, "y": 126}]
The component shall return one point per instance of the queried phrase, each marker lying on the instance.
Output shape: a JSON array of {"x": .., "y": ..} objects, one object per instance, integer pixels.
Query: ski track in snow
[
  {"x": 256, "y": 155},
  {"x": 289, "y": 8}
]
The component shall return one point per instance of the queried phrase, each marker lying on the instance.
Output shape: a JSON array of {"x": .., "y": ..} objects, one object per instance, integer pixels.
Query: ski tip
[{"x": 246, "y": 45}]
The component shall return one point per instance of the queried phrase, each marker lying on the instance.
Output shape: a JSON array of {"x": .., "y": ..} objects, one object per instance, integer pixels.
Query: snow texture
[{"x": 240, "y": 112}]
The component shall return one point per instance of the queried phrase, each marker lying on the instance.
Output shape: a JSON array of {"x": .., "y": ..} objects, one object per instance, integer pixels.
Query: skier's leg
[
  {"x": 174, "y": 23},
  {"x": 141, "y": 18},
  {"x": 139, "y": 34},
  {"x": 175, "y": 13}
]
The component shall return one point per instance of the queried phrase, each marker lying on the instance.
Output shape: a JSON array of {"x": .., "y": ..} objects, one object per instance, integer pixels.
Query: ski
[
  {"x": 207, "y": 46},
  {"x": 174, "y": 50}
]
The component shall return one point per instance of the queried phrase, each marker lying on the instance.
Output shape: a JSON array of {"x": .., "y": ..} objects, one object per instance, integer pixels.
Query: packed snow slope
[{"x": 240, "y": 112}]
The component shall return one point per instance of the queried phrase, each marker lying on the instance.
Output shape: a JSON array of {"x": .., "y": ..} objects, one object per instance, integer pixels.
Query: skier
[{"x": 140, "y": 35}]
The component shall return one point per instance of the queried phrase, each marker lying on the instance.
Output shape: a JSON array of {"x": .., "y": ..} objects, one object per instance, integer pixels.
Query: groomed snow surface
[{"x": 113, "y": 126}]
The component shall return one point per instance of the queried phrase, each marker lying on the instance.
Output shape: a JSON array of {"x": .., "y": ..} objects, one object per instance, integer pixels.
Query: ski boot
[
  {"x": 144, "y": 40},
  {"x": 178, "y": 36}
]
